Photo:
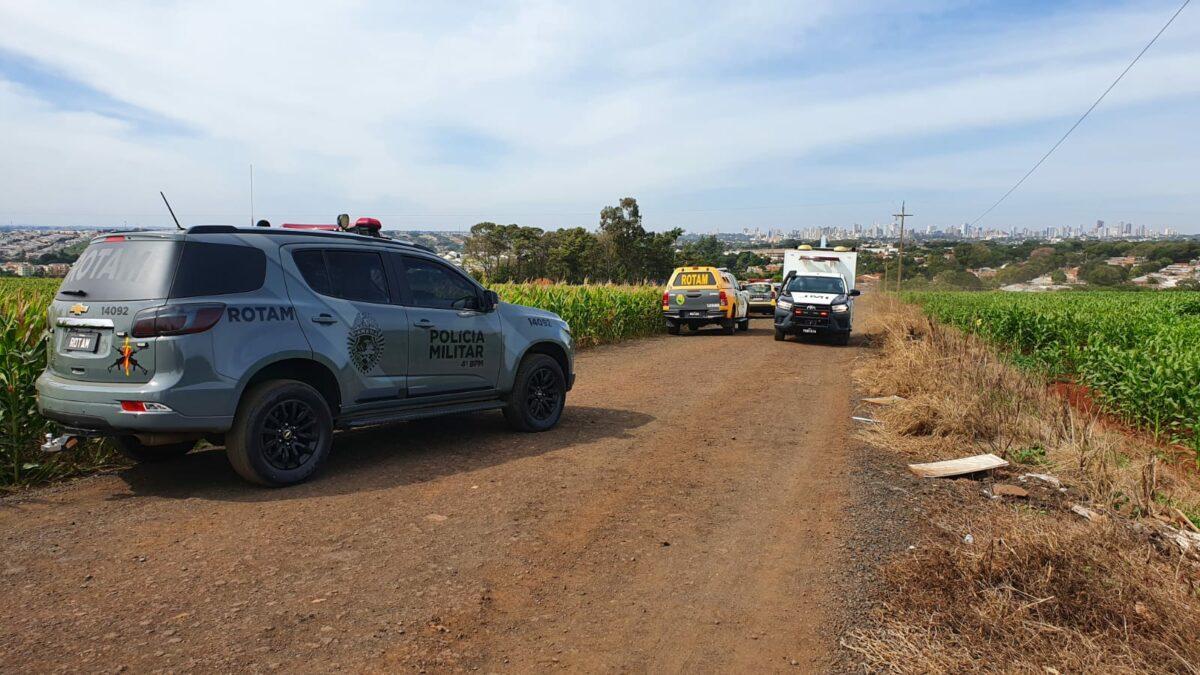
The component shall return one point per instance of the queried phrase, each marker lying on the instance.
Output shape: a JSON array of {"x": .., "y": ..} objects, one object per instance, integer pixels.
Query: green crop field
[
  {"x": 598, "y": 314},
  {"x": 22, "y": 357},
  {"x": 1138, "y": 353}
]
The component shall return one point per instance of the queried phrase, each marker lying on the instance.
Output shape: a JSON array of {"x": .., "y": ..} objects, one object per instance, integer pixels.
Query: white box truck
[{"x": 817, "y": 294}]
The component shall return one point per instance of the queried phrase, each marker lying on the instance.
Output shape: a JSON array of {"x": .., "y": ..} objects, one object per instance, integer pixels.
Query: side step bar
[{"x": 407, "y": 415}]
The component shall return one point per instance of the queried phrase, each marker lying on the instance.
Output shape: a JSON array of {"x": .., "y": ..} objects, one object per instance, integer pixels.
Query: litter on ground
[
  {"x": 885, "y": 400},
  {"x": 1044, "y": 477},
  {"x": 865, "y": 419},
  {"x": 1085, "y": 512},
  {"x": 1004, "y": 490},
  {"x": 958, "y": 467}
]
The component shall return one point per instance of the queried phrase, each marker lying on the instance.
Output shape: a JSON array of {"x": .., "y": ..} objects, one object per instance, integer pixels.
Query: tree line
[{"x": 620, "y": 250}]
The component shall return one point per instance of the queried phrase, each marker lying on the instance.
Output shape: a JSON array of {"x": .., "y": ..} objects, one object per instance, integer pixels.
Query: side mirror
[
  {"x": 491, "y": 300},
  {"x": 854, "y": 292}
]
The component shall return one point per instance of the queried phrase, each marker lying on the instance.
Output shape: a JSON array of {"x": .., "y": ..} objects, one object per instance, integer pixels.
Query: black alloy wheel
[
  {"x": 538, "y": 396},
  {"x": 544, "y": 393},
  {"x": 289, "y": 435}
]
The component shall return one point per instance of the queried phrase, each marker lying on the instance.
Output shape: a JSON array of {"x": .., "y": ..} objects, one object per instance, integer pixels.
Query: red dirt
[
  {"x": 1081, "y": 398},
  {"x": 675, "y": 520}
]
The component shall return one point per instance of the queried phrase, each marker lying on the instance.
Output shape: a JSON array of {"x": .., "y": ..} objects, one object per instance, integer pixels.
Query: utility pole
[{"x": 900, "y": 263}]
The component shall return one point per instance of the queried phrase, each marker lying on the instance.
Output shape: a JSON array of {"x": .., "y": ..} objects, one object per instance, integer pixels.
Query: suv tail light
[
  {"x": 724, "y": 298},
  {"x": 176, "y": 319}
]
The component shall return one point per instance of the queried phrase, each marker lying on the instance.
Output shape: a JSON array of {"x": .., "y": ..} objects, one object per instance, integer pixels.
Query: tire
[
  {"x": 744, "y": 325},
  {"x": 673, "y": 329},
  {"x": 780, "y": 336},
  {"x": 727, "y": 326},
  {"x": 141, "y": 453},
  {"x": 539, "y": 395},
  {"x": 842, "y": 339},
  {"x": 302, "y": 427}
]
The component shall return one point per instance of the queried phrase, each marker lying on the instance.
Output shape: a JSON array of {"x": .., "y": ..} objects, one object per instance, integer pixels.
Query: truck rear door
[{"x": 694, "y": 293}]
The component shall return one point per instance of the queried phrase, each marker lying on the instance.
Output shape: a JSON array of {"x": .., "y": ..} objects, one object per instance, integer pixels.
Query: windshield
[{"x": 816, "y": 285}]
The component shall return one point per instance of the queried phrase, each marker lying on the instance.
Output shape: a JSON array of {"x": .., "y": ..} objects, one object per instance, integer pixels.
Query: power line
[{"x": 1084, "y": 116}]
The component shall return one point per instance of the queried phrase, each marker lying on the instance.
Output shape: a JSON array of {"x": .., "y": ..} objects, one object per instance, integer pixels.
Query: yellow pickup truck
[{"x": 699, "y": 296}]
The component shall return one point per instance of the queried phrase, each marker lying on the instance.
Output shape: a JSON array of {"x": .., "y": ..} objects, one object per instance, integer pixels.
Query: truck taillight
[
  {"x": 666, "y": 298},
  {"x": 724, "y": 298},
  {"x": 176, "y": 319}
]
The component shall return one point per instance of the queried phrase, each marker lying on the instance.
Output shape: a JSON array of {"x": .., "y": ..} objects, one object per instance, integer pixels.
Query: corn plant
[
  {"x": 22, "y": 357},
  {"x": 597, "y": 313},
  {"x": 1138, "y": 353}
]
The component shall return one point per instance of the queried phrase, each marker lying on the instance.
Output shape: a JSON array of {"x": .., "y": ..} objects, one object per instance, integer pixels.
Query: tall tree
[
  {"x": 621, "y": 235},
  {"x": 707, "y": 250},
  {"x": 571, "y": 255}
]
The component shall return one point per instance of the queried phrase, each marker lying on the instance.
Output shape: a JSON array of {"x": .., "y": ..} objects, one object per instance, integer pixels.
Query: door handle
[
  {"x": 424, "y": 323},
  {"x": 324, "y": 319}
]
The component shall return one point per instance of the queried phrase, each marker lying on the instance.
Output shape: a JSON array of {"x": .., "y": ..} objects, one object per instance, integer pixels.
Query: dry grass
[
  {"x": 962, "y": 399},
  {"x": 1040, "y": 589}
]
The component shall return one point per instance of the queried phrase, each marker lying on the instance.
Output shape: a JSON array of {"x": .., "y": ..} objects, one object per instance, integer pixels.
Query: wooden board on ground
[
  {"x": 885, "y": 400},
  {"x": 958, "y": 467}
]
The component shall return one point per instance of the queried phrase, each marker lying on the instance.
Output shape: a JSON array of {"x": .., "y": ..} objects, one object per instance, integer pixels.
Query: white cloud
[{"x": 338, "y": 105}]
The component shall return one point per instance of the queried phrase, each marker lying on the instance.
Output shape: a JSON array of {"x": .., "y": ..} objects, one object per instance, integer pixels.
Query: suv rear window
[
  {"x": 122, "y": 269},
  {"x": 218, "y": 269},
  {"x": 685, "y": 279}
]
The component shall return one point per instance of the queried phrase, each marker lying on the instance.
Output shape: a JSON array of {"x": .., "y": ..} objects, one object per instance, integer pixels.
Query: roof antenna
[{"x": 160, "y": 194}]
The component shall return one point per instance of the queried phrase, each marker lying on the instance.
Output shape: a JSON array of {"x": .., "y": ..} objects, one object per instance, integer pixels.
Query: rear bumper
[
  {"x": 93, "y": 408},
  {"x": 698, "y": 317}
]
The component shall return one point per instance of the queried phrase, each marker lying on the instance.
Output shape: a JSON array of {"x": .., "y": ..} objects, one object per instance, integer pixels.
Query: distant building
[
  {"x": 1124, "y": 261},
  {"x": 21, "y": 269}
]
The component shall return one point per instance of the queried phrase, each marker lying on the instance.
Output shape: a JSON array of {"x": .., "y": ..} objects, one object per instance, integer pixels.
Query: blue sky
[{"x": 714, "y": 115}]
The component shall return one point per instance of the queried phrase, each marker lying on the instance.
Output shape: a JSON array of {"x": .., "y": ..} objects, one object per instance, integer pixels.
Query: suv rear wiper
[{"x": 76, "y": 293}]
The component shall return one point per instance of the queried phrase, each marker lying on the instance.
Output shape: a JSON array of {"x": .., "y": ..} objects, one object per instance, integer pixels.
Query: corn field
[
  {"x": 598, "y": 314},
  {"x": 1138, "y": 353},
  {"x": 22, "y": 357}
]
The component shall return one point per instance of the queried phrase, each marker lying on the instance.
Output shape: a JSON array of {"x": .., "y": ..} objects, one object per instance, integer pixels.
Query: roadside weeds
[{"x": 1020, "y": 582}]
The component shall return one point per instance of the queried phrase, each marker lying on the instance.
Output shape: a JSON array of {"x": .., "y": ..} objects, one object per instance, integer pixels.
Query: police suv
[{"x": 267, "y": 340}]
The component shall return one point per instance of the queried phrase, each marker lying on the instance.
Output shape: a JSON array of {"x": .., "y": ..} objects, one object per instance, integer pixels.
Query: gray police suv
[{"x": 267, "y": 340}]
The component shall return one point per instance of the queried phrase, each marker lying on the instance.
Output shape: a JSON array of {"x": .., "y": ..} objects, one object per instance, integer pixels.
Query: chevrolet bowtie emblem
[{"x": 78, "y": 308}]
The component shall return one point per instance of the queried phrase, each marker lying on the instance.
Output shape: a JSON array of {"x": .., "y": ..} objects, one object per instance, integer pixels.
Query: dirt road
[{"x": 686, "y": 515}]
